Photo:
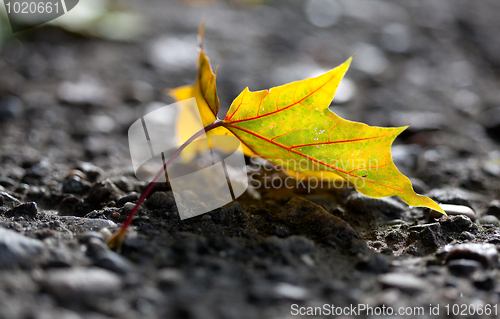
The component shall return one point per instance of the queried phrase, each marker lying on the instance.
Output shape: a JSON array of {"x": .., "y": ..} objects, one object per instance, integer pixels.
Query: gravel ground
[{"x": 69, "y": 94}]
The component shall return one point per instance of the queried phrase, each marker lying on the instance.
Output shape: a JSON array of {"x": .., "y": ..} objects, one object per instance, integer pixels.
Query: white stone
[
  {"x": 454, "y": 210},
  {"x": 291, "y": 292}
]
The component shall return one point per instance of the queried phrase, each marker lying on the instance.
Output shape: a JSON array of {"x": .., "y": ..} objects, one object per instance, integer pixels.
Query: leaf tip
[
  {"x": 440, "y": 209},
  {"x": 201, "y": 34},
  {"x": 348, "y": 62},
  {"x": 402, "y": 128},
  {"x": 180, "y": 93},
  {"x": 433, "y": 205}
]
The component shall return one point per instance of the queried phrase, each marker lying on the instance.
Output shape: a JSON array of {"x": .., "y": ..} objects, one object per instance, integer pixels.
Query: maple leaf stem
[{"x": 118, "y": 237}]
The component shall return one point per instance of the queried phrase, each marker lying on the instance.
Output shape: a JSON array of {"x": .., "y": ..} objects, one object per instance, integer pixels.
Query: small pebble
[
  {"x": 26, "y": 210},
  {"x": 90, "y": 170},
  {"x": 307, "y": 260},
  {"x": 95, "y": 246},
  {"x": 86, "y": 91},
  {"x": 22, "y": 188},
  {"x": 406, "y": 282},
  {"x": 206, "y": 218},
  {"x": 376, "y": 263},
  {"x": 425, "y": 238},
  {"x": 453, "y": 210},
  {"x": 103, "y": 192},
  {"x": 370, "y": 59},
  {"x": 106, "y": 233},
  {"x": 86, "y": 235},
  {"x": 464, "y": 267},
  {"x": 128, "y": 206},
  {"x": 172, "y": 53},
  {"x": 140, "y": 91},
  {"x": 124, "y": 184},
  {"x": 374, "y": 208},
  {"x": 494, "y": 240},
  {"x": 80, "y": 224},
  {"x": 7, "y": 201},
  {"x": 435, "y": 270},
  {"x": 490, "y": 119},
  {"x": 76, "y": 172},
  {"x": 229, "y": 214},
  {"x": 467, "y": 236},
  {"x": 102, "y": 123},
  {"x": 394, "y": 237},
  {"x": 486, "y": 254},
  {"x": 10, "y": 108},
  {"x": 37, "y": 172},
  {"x": 72, "y": 206},
  {"x": 452, "y": 195},
  {"x": 282, "y": 232},
  {"x": 17, "y": 249},
  {"x": 458, "y": 222},
  {"x": 130, "y": 198},
  {"x": 169, "y": 277},
  {"x": 285, "y": 290},
  {"x": 323, "y": 13},
  {"x": 489, "y": 220},
  {"x": 396, "y": 37},
  {"x": 160, "y": 200},
  {"x": 110, "y": 260},
  {"x": 116, "y": 215},
  {"x": 76, "y": 282},
  {"x": 493, "y": 208},
  {"x": 75, "y": 185},
  {"x": 6, "y": 182},
  {"x": 483, "y": 281}
]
